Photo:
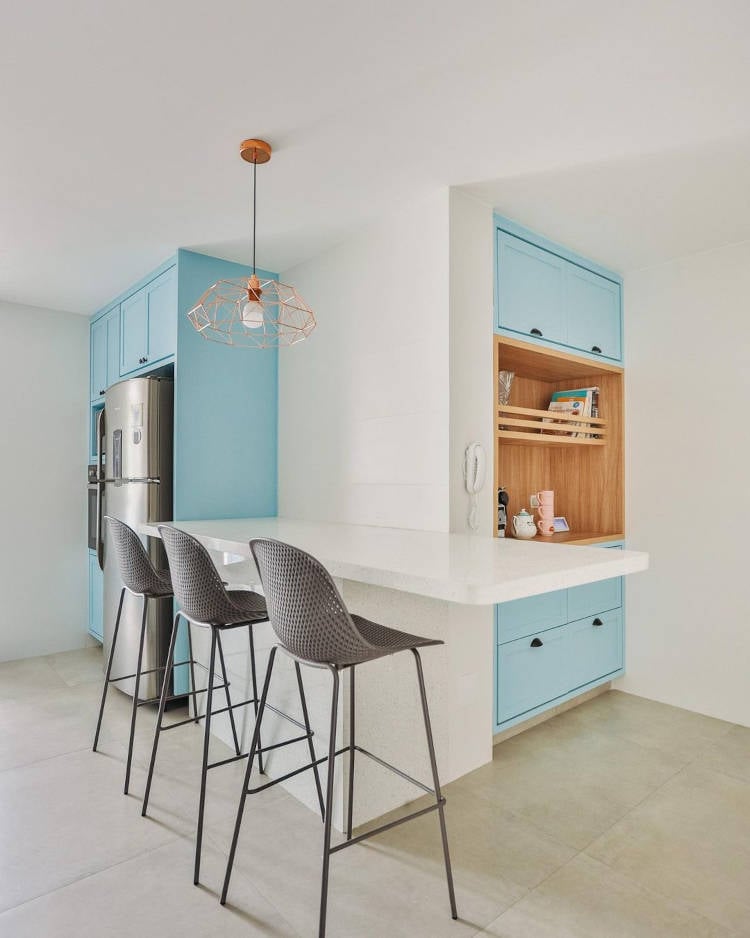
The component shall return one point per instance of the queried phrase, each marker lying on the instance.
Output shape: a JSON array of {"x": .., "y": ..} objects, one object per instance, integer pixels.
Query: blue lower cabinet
[
  {"x": 96, "y": 597},
  {"x": 538, "y": 670}
]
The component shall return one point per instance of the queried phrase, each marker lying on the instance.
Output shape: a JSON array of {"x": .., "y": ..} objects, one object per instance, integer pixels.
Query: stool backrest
[
  {"x": 304, "y": 606},
  {"x": 196, "y": 581},
  {"x": 136, "y": 570}
]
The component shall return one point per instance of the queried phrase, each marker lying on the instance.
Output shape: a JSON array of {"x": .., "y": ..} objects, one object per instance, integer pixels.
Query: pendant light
[{"x": 252, "y": 312}]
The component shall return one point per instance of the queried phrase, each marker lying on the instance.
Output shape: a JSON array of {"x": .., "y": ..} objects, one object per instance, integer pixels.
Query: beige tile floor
[{"x": 622, "y": 817}]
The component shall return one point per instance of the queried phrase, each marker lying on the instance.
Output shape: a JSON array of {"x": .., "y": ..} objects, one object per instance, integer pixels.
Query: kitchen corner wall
[
  {"x": 43, "y": 571},
  {"x": 364, "y": 403},
  {"x": 471, "y": 333},
  {"x": 688, "y": 498}
]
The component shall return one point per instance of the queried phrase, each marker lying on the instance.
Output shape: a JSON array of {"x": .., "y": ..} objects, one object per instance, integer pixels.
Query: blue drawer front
[
  {"x": 525, "y": 616},
  {"x": 591, "y": 598},
  {"x": 530, "y": 674},
  {"x": 593, "y": 648}
]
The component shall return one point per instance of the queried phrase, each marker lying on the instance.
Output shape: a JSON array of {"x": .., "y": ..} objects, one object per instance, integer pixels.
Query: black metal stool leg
[
  {"x": 168, "y": 670},
  {"x": 204, "y": 768},
  {"x": 253, "y": 674},
  {"x": 310, "y": 747},
  {"x": 436, "y": 782},
  {"x": 246, "y": 784},
  {"x": 192, "y": 671},
  {"x": 134, "y": 714},
  {"x": 109, "y": 671},
  {"x": 350, "y": 800},
  {"x": 329, "y": 803},
  {"x": 226, "y": 694}
]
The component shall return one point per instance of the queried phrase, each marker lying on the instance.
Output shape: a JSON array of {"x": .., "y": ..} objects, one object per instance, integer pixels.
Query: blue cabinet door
[
  {"x": 162, "y": 316},
  {"x": 113, "y": 345},
  {"x": 530, "y": 289},
  {"x": 133, "y": 332},
  {"x": 96, "y": 597},
  {"x": 592, "y": 305},
  {"x": 529, "y": 672},
  {"x": 98, "y": 357},
  {"x": 592, "y": 649}
]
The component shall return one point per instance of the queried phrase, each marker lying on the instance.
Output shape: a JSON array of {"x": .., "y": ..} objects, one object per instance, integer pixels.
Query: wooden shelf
[{"x": 580, "y": 538}]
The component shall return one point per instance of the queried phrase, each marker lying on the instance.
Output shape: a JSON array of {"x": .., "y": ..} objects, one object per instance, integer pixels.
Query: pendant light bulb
[{"x": 252, "y": 311}]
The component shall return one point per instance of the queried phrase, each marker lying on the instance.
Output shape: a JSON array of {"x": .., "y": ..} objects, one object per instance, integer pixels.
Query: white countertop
[{"x": 461, "y": 568}]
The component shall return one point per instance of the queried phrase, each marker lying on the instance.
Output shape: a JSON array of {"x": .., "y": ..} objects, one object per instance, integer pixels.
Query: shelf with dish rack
[
  {"x": 579, "y": 458},
  {"x": 529, "y": 425}
]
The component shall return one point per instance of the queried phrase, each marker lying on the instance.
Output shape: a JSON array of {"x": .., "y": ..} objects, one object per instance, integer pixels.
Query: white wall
[
  {"x": 688, "y": 450},
  {"x": 471, "y": 335},
  {"x": 43, "y": 571},
  {"x": 364, "y": 403}
]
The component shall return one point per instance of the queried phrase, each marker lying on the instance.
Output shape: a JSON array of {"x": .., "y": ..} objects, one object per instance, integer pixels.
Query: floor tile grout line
[{"x": 85, "y": 876}]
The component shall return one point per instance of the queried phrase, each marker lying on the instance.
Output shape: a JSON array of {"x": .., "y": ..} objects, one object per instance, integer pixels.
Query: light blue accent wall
[{"x": 226, "y": 403}]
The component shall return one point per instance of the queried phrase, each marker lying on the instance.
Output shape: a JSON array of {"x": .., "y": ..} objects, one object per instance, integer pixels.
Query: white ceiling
[{"x": 622, "y": 129}]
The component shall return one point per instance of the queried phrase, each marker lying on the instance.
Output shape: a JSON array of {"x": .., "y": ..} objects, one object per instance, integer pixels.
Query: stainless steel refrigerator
[{"x": 134, "y": 465}]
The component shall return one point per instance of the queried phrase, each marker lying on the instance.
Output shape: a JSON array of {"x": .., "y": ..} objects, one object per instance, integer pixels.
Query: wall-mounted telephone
[{"x": 475, "y": 470}]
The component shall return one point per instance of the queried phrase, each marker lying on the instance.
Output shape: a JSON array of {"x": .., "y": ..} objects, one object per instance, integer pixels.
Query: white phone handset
[{"x": 475, "y": 470}]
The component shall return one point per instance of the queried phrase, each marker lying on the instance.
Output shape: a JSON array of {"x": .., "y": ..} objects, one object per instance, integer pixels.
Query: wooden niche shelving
[{"x": 585, "y": 470}]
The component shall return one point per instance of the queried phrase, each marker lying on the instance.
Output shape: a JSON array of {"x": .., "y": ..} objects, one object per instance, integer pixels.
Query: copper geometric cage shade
[
  {"x": 286, "y": 318},
  {"x": 250, "y": 312}
]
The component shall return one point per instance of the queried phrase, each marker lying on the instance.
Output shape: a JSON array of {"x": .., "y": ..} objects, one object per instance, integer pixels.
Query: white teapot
[{"x": 524, "y": 526}]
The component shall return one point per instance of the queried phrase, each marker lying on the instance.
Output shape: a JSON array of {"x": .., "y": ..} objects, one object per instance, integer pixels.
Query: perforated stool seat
[
  {"x": 206, "y": 603},
  {"x": 315, "y": 629}
]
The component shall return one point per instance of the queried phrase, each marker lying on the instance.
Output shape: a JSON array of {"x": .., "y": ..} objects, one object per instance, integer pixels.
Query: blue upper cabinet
[
  {"x": 105, "y": 352},
  {"x": 551, "y": 296},
  {"x": 593, "y": 313},
  {"x": 530, "y": 289},
  {"x": 148, "y": 324}
]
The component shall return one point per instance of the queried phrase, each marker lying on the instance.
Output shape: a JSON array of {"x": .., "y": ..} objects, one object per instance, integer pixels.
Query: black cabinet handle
[
  {"x": 597, "y": 621},
  {"x": 595, "y": 348},
  {"x": 536, "y": 643},
  {"x": 535, "y": 331},
  {"x": 101, "y": 391}
]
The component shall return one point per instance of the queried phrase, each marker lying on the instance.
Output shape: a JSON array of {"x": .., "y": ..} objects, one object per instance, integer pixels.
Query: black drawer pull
[
  {"x": 595, "y": 348},
  {"x": 597, "y": 621},
  {"x": 101, "y": 392},
  {"x": 535, "y": 331},
  {"x": 536, "y": 643}
]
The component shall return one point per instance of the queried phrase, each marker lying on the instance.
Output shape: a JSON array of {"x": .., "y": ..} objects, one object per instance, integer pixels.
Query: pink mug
[
  {"x": 546, "y": 512},
  {"x": 546, "y": 526},
  {"x": 546, "y": 497}
]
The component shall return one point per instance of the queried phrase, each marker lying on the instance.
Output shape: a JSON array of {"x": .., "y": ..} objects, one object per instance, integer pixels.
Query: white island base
[{"x": 427, "y": 571}]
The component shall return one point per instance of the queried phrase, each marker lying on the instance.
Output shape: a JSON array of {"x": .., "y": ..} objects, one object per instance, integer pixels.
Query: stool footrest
[
  {"x": 163, "y": 667},
  {"x": 386, "y": 827},
  {"x": 387, "y": 765},
  {"x": 299, "y": 771}
]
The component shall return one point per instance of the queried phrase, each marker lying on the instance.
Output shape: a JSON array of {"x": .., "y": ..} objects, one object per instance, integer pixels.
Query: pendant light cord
[{"x": 255, "y": 171}]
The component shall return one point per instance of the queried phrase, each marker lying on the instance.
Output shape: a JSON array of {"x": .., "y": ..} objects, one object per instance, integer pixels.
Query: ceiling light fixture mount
[{"x": 252, "y": 312}]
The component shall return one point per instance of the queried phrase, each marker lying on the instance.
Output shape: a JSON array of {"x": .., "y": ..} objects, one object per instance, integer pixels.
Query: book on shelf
[{"x": 576, "y": 402}]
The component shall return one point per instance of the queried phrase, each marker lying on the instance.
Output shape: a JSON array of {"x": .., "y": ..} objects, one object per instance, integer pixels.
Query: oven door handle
[{"x": 99, "y": 487}]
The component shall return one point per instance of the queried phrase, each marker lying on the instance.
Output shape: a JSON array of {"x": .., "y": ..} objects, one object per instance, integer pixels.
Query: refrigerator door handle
[
  {"x": 99, "y": 486},
  {"x": 155, "y": 480}
]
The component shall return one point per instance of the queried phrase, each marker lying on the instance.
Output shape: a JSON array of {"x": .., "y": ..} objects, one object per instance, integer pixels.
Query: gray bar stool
[
  {"x": 140, "y": 578},
  {"x": 205, "y": 602},
  {"x": 315, "y": 629}
]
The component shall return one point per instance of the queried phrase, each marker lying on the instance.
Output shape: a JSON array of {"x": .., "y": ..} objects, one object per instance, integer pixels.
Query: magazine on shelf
[{"x": 577, "y": 402}]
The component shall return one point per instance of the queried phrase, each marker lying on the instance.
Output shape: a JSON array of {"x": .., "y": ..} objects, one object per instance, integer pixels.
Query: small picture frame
[{"x": 561, "y": 524}]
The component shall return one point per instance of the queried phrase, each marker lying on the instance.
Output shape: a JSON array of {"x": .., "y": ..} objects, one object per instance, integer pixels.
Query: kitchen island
[{"x": 434, "y": 584}]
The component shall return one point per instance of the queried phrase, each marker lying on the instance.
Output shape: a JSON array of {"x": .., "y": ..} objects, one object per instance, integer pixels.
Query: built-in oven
[{"x": 92, "y": 520}]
